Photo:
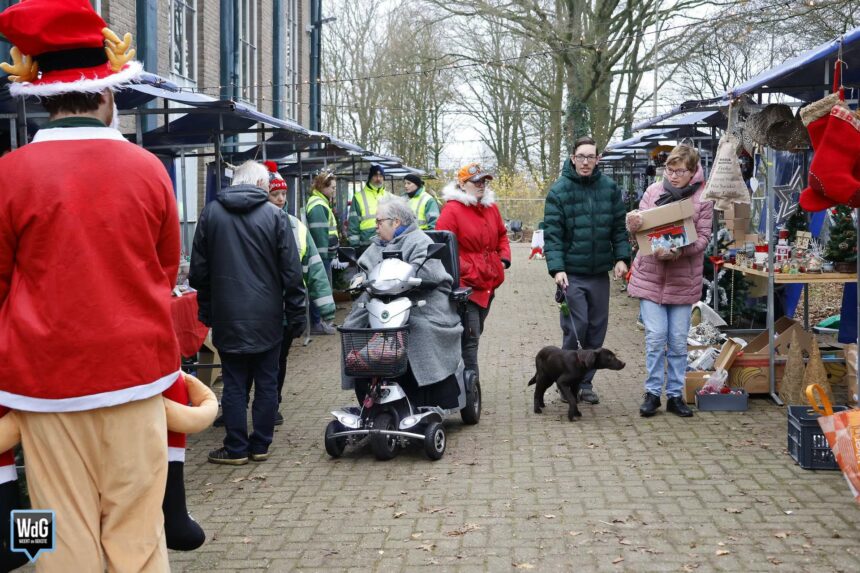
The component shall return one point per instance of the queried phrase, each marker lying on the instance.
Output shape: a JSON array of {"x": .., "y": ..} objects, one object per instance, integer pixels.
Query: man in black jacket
[{"x": 246, "y": 269}]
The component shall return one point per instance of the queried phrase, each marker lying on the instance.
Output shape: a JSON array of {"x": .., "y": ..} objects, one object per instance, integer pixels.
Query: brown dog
[{"x": 567, "y": 368}]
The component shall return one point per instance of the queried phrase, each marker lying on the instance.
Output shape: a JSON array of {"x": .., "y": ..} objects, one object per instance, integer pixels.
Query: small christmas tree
[
  {"x": 842, "y": 245},
  {"x": 797, "y": 221}
]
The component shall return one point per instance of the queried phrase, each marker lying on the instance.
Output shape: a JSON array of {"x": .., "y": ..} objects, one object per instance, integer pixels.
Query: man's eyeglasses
[
  {"x": 380, "y": 221},
  {"x": 585, "y": 158},
  {"x": 678, "y": 172}
]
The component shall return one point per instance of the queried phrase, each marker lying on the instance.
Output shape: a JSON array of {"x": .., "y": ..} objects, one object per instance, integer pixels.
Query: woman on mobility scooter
[{"x": 401, "y": 341}]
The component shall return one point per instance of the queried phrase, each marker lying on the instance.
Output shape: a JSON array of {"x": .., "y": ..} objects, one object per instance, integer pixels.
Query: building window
[
  {"x": 292, "y": 75},
  {"x": 247, "y": 71},
  {"x": 183, "y": 38}
]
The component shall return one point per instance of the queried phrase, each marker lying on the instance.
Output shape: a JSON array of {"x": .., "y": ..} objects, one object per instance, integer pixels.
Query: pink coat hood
[{"x": 678, "y": 281}]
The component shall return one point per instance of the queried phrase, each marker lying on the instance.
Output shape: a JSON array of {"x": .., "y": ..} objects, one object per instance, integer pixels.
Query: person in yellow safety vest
[
  {"x": 323, "y": 230},
  {"x": 320, "y": 217},
  {"x": 362, "y": 213},
  {"x": 422, "y": 203}
]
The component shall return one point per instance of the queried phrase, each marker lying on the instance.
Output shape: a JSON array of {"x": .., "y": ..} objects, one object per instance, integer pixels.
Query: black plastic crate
[
  {"x": 368, "y": 352},
  {"x": 807, "y": 444}
]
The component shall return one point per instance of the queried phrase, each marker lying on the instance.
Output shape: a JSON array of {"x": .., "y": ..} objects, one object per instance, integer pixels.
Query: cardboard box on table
[
  {"x": 738, "y": 211},
  {"x": 208, "y": 354},
  {"x": 673, "y": 220}
]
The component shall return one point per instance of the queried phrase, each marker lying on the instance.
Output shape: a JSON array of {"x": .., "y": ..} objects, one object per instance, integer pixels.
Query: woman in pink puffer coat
[{"x": 669, "y": 282}]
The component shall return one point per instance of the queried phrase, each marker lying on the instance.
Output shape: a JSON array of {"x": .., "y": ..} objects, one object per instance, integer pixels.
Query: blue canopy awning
[{"x": 809, "y": 76}]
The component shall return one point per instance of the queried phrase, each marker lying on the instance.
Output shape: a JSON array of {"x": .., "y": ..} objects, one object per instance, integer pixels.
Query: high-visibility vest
[
  {"x": 418, "y": 203},
  {"x": 367, "y": 205},
  {"x": 300, "y": 233},
  {"x": 317, "y": 199}
]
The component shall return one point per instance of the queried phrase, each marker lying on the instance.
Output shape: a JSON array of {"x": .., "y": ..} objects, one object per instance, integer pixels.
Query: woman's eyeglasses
[
  {"x": 678, "y": 172},
  {"x": 381, "y": 221}
]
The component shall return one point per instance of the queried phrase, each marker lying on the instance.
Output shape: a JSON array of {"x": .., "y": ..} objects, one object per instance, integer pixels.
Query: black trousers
[
  {"x": 473, "y": 326},
  {"x": 237, "y": 369}
]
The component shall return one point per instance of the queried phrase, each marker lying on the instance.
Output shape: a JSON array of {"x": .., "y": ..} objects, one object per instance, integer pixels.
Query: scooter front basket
[{"x": 369, "y": 352}]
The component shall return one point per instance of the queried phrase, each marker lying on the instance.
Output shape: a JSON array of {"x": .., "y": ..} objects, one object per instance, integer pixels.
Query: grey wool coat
[{"x": 434, "y": 329}]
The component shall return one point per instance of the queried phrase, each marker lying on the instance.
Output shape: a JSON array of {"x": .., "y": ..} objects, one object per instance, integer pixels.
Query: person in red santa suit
[{"x": 87, "y": 346}]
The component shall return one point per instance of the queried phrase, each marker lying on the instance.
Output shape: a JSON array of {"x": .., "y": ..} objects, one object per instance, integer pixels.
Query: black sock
[
  {"x": 9, "y": 500},
  {"x": 182, "y": 532}
]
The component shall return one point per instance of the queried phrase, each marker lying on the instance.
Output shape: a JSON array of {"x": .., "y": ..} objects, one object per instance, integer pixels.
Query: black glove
[
  {"x": 506, "y": 263},
  {"x": 559, "y": 294}
]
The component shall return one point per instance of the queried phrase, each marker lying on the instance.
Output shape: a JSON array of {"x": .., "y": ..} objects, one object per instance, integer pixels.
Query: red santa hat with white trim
[{"x": 64, "y": 46}]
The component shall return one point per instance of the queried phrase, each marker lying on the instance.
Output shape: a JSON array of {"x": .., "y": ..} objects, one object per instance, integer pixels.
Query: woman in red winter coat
[
  {"x": 472, "y": 215},
  {"x": 669, "y": 282}
]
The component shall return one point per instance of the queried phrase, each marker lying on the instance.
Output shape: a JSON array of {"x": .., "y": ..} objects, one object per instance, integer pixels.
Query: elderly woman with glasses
[
  {"x": 434, "y": 327},
  {"x": 669, "y": 282},
  {"x": 482, "y": 241},
  {"x": 584, "y": 239}
]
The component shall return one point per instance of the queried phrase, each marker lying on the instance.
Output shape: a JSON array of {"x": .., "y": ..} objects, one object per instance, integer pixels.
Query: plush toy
[{"x": 181, "y": 531}]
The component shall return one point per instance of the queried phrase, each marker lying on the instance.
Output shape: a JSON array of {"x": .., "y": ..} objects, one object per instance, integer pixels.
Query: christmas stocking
[
  {"x": 834, "y": 175},
  {"x": 9, "y": 499},
  {"x": 180, "y": 529}
]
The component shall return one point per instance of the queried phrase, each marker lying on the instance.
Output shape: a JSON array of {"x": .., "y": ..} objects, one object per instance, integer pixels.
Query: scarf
[{"x": 672, "y": 194}]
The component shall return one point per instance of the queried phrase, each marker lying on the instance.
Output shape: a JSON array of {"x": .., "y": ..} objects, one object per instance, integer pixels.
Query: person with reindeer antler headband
[{"x": 86, "y": 274}]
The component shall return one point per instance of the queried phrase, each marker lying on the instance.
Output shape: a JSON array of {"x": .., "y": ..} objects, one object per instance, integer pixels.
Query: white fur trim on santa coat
[
  {"x": 131, "y": 72},
  {"x": 76, "y": 133},
  {"x": 175, "y": 454},
  {"x": 91, "y": 402},
  {"x": 452, "y": 192},
  {"x": 8, "y": 473}
]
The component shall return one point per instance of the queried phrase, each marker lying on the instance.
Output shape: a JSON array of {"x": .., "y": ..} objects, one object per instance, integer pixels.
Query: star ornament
[{"x": 788, "y": 195}]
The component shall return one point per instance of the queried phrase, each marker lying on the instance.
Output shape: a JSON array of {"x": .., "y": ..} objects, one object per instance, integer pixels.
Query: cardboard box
[
  {"x": 750, "y": 370},
  {"x": 208, "y": 354},
  {"x": 692, "y": 382},
  {"x": 738, "y": 211},
  {"x": 671, "y": 223},
  {"x": 738, "y": 227},
  {"x": 727, "y": 356}
]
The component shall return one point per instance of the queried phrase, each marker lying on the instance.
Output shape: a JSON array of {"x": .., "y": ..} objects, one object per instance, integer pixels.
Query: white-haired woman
[{"x": 434, "y": 329}]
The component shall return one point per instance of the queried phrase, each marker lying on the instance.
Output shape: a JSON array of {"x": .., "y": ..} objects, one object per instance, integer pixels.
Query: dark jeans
[
  {"x": 473, "y": 326},
  {"x": 588, "y": 300},
  {"x": 282, "y": 368},
  {"x": 238, "y": 369}
]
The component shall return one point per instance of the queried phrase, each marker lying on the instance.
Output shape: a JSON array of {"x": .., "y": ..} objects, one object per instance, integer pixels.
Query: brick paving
[{"x": 520, "y": 491}]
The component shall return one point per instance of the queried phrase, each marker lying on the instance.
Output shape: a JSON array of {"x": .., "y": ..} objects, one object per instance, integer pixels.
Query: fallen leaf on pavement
[
  {"x": 399, "y": 514},
  {"x": 415, "y": 535},
  {"x": 733, "y": 510},
  {"x": 574, "y": 533},
  {"x": 549, "y": 516},
  {"x": 463, "y": 530},
  {"x": 427, "y": 546},
  {"x": 774, "y": 560},
  {"x": 523, "y": 566},
  {"x": 722, "y": 552},
  {"x": 617, "y": 560},
  {"x": 781, "y": 535}
]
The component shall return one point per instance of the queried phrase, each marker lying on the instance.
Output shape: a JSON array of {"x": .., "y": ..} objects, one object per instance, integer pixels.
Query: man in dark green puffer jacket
[{"x": 585, "y": 237}]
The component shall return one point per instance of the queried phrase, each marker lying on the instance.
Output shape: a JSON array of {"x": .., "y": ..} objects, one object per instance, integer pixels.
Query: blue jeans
[
  {"x": 666, "y": 329},
  {"x": 315, "y": 312}
]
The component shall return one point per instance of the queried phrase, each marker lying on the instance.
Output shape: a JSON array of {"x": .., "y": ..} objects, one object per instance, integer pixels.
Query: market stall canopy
[{"x": 809, "y": 76}]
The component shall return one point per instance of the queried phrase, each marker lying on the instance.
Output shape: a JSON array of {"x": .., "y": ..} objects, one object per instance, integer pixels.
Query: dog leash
[{"x": 570, "y": 317}]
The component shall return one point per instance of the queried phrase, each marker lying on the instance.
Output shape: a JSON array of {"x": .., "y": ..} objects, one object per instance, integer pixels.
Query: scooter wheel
[
  {"x": 334, "y": 445},
  {"x": 384, "y": 447},
  {"x": 434, "y": 441},
  {"x": 471, "y": 413}
]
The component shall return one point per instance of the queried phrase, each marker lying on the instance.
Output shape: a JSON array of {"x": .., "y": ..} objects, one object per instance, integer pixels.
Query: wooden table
[{"x": 798, "y": 278}]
